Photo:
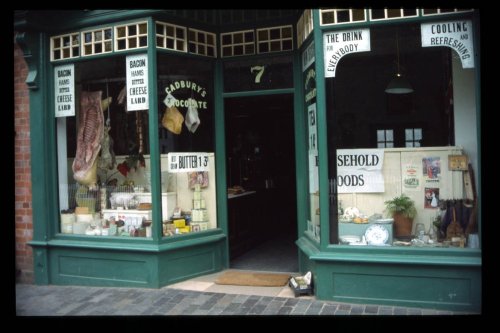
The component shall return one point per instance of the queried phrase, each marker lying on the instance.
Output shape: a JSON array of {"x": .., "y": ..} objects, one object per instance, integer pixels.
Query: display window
[
  {"x": 103, "y": 139},
  {"x": 389, "y": 143}
]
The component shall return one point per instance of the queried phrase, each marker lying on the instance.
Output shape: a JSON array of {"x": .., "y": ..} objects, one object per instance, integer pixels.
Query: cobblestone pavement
[{"x": 49, "y": 300}]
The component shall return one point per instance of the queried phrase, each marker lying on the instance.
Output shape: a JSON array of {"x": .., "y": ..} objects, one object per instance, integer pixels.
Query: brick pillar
[{"x": 23, "y": 214}]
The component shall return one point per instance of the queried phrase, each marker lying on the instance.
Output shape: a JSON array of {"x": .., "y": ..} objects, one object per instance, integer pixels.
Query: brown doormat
[{"x": 253, "y": 279}]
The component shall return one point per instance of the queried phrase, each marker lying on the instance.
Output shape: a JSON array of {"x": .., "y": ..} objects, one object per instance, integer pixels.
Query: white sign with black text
[
  {"x": 137, "y": 82},
  {"x": 453, "y": 34},
  {"x": 308, "y": 56},
  {"x": 188, "y": 162},
  {"x": 340, "y": 43},
  {"x": 360, "y": 170},
  {"x": 313, "y": 149},
  {"x": 64, "y": 81}
]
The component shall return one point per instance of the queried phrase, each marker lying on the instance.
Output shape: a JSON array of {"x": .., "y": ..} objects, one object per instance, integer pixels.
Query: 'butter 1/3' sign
[
  {"x": 188, "y": 162},
  {"x": 64, "y": 81},
  {"x": 137, "y": 82}
]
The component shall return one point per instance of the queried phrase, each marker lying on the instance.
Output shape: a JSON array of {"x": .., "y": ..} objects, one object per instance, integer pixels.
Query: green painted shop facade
[{"x": 291, "y": 45}]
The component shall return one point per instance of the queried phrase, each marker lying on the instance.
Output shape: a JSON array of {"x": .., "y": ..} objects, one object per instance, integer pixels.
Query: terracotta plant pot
[{"x": 402, "y": 226}]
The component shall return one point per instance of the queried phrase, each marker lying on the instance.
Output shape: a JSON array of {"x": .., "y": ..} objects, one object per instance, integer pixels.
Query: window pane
[
  {"x": 409, "y": 134},
  {"x": 389, "y": 135},
  {"x": 380, "y": 135},
  {"x": 418, "y": 133}
]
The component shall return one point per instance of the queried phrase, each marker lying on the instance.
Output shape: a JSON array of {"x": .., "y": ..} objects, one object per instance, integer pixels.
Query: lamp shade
[{"x": 399, "y": 85}]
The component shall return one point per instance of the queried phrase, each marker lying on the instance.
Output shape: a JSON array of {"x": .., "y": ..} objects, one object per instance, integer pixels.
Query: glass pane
[
  {"x": 179, "y": 33},
  {"x": 132, "y": 30},
  {"x": 394, "y": 12},
  {"x": 160, "y": 41},
  {"x": 238, "y": 50},
  {"x": 98, "y": 36},
  {"x": 121, "y": 31},
  {"x": 418, "y": 133},
  {"x": 76, "y": 51},
  {"x": 378, "y": 13},
  {"x": 327, "y": 18},
  {"x": 201, "y": 49},
  {"x": 248, "y": 36},
  {"x": 88, "y": 37},
  {"x": 389, "y": 144},
  {"x": 192, "y": 47},
  {"x": 226, "y": 39},
  {"x": 409, "y": 134},
  {"x": 98, "y": 48},
  {"x": 358, "y": 14},
  {"x": 263, "y": 35},
  {"x": 286, "y": 32},
  {"x": 389, "y": 135},
  {"x": 381, "y": 145},
  {"x": 143, "y": 41},
  {"x": 66, "y": 41},
  {"x": 57, "y": 42},
  {"x": 170, "y": 43},
  {"x": 275, "y": 46},
  {"x": 170, "y": 31},
  {"x": 180, "y": 45},
  {"x": 201, "y": 37},
  {"x": 57, "y": 54},
  {"x": 188, "y": 195},
  {"x": 430, "y": 11},
  {"x": 409, "y": 12},
  {"x": 238, "y": 38},
  {"x": 210, "y": 51},
  {"x": 380, "y": 135},
  {"x": 121, "y": 44},
  {"x": 409, "y": 143},
  {"x": 66, "y": 53},
  {"x": 160, "y": 29},
  {"x": 343, "y": 16},
  {"x": 107, "y": 46},
  {"x": 275, "y": 33},
  {"x": 107, "y": 34},
  {"x": 416, "y": 143},
  {"x": 192, "y": 35},
  {"x": 143, "y": 28},
  {"x": 226, "y": 51},
  {"x": 88, "y": 49},
  {"x": 76, "y": 39},
  {"x": 263, "y": 47},
  {"x": 132, "y": 43},
  {"x": 210, "y": 39}
]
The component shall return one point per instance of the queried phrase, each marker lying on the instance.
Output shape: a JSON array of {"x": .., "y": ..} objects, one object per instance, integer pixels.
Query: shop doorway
[{"x": 260, "y": 152}]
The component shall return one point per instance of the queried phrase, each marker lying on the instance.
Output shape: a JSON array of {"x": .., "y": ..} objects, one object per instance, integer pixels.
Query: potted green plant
[{"x": 402, "y": 209}]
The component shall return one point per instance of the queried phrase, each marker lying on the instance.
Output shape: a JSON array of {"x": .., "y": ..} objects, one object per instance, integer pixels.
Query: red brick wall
[{"x": 22, "y": 156}]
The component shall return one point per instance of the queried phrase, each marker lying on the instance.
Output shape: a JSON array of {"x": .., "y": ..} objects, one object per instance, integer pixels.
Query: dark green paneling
[
  {"x": 441, "y": 287},
  {"x": 189, "y": 263},
  {"x": 102, "y": 268}
]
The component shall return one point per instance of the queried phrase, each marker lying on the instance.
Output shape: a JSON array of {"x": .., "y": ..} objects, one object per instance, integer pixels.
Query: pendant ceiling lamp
[{"x": 399, "y": 85}]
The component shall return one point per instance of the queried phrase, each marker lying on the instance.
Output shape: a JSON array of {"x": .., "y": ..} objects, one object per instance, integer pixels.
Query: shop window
[
  {"x": 274, "y": 39},
  {"x": 391, "y": 13},
  {"x": 382, "y": 145},
  {"x": 385, "y": 138},
  {"x": 171, "y": 37},
  {"x": 103, "y": 156},
  {"x": 304, "y": 26},
  {"x": 339, "y": 16},
  {"x": 131, "y": 36},
  {"x": 186, "y": 143},
  {"x": 237, "y": 43},
  {"x": 202, "y": 43},
  {"x": 65, "y": 46},
  {"x": 97, "y": 41}
]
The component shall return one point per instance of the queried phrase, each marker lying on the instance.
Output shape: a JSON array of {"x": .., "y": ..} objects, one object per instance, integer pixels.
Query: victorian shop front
[{"x": 166, "y": 143}]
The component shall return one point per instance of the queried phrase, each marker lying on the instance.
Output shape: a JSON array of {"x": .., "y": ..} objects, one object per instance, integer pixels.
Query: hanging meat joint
[{"x": 90, "y": 135}]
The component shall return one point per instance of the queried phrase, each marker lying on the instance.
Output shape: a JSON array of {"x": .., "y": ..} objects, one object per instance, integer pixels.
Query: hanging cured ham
[{"x": 90, "y": 135}]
